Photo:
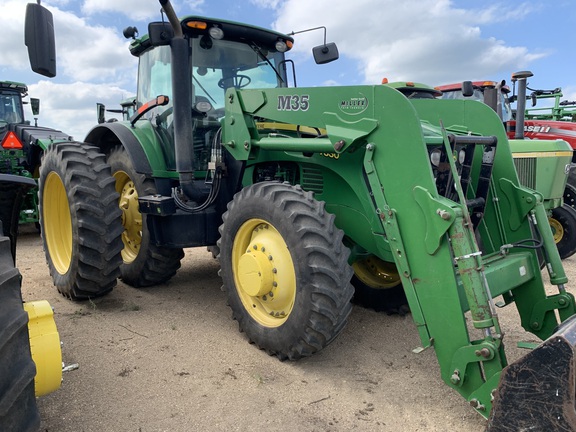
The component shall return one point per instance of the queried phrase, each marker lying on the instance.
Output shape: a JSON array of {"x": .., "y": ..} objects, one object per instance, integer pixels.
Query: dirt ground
[{"x": 170, "y": 358}]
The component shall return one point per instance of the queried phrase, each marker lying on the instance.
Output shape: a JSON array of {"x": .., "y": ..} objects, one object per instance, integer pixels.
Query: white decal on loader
[{"x": 293, "y": 102}]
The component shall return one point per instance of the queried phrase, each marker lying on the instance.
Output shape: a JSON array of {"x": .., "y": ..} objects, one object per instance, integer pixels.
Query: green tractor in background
[
  {"x": 21, "y": 143},
  {"x": 127, "y": 109},
  {"x": 292, "y": 188}
]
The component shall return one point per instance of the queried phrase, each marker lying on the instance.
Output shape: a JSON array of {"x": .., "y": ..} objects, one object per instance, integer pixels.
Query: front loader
[{"x": 295, "y": 190}]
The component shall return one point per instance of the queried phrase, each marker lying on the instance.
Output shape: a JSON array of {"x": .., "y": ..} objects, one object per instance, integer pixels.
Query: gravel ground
[{"x": 170, "y": 358}]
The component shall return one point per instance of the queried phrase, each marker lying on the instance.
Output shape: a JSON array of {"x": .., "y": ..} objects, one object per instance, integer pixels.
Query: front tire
[
  {"x": 80, "y": 220},
  {"x": 144, "y": 264},
  {"x": 570, "y": 195},
  {"x": 284, "y": 269},
  {"x": 563, "y": 224}
]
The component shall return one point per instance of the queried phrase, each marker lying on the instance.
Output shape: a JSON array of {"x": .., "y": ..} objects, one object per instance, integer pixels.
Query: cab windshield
[
  {"x": 478, "y": 95},
  {"x": 216, "y": 66},
  {"x": 457, "y": 94},
  {"x": 220, "y": 64}
]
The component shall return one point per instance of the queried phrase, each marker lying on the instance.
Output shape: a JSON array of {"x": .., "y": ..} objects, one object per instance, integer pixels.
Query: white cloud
[
  {"x": 71, "y": 108},
  {"x": 267, "y": 4},
  {"x": 88, "y": 52},
  {"x": 137, "y": 9},
  {"x": 419, "y": 40},
  {"x": 83, "y": 51},
  {"x": 12, "y": 46}
]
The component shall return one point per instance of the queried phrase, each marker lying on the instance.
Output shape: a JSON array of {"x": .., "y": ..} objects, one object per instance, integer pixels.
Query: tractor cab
[
  {"x": 222, "y": 55},
  {"x": 192, "y": 72},
  {"x": 216, "y": 55},
  {"x": 11, "y": 94},
  {"x": 492, "y": 93}
]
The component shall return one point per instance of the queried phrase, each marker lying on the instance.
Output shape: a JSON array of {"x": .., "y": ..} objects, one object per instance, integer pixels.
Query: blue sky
[{"x": 430, "y": 41}]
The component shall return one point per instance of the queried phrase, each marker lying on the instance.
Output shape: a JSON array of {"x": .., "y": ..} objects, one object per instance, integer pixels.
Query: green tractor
[
  {"x": 297, "y": 189},
  {"x": 22, "y": 144}
]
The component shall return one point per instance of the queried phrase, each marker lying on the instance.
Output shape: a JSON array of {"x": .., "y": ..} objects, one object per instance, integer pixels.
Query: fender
[{"x": 106, "y": 136}]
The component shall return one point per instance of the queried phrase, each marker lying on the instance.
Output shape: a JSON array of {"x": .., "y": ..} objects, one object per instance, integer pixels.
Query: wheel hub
[
  {"x": 255, "y": 272},
  {"x": 376, "y": 273},
  {"x": 557, "y": 229},
  {"x": 131, "y": 216},
  {"x": 264, "y": 273}
]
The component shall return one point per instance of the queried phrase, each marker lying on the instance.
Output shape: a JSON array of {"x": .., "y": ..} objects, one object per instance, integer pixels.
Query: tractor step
[{"x": 538, "y": 391}]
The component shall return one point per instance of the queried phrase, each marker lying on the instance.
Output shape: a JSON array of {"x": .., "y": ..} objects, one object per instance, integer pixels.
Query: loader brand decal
[
  {"x": 354, "y": 105},
  {"x": 537, "y": 129},
  {"x": 293, "y": 102}
]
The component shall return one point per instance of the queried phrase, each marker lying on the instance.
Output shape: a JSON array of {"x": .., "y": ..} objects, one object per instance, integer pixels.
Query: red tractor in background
[{"x": 539, "y": 123}]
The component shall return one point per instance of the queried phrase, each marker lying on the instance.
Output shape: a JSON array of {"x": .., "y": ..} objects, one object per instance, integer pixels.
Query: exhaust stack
[{"x": 521, "y": 77}]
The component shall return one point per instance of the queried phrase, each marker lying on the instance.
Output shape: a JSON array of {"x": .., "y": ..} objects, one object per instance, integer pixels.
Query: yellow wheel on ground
[
  {"x": 285, "y": 269},
  {"x": 80, "y": 220}
]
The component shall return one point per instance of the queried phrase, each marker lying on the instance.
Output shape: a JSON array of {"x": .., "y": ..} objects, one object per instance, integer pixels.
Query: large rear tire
[
  {"x": 144, "y": 264},
  {"x": 284, "y": 269},
  {"x": 18, "y": 411},
  {"x": 563, "y": 224},
  {"x": 80, "y": 220}
]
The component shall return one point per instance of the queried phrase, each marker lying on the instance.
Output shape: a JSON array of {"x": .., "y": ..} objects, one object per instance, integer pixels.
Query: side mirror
[
  {"x": 100, "y": 112},
  {"x": 39, "y": 38},
  {"x": 160, "y": 33},
  {"x": 467, "y": 89},
  {"x": 534, "y": 99},
  {"x": 35, "y": 105},
  {"x": 325, "y": 53}
]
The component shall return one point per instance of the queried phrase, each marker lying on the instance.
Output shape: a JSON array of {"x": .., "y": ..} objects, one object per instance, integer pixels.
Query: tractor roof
[
  {"x": 20, "y": 87},
  {"x": 198, "y": 25},
  {"x": 475, "y": 84},
  {"x": 414, "y": 89}
]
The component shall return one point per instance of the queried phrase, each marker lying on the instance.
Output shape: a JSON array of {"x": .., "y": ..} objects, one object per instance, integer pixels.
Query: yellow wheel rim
[
  {"x": 57, "y": 230},
  {"x": 263, "y": 273},
  {"x": 131, "y": 216},
  {"x": 557, "y": 229},
  {"x": 376, "y": 273}
]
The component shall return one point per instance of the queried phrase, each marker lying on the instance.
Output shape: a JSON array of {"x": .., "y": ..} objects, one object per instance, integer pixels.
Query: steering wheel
[{"x": 238, "y": 81}]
